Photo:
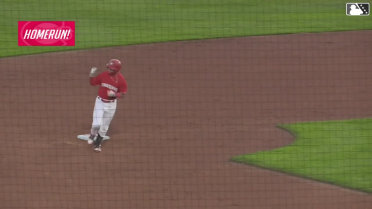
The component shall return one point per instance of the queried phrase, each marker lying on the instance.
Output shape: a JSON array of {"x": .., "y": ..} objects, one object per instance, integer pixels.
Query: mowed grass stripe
[{"x": 112, "y": 22}]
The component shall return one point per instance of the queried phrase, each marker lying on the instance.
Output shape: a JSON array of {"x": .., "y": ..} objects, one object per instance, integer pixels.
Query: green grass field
[
  {"x": 113, "y": 22},
  {"x": 337, "y": 152}
]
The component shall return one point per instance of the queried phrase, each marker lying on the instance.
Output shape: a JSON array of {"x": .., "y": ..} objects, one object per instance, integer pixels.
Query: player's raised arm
[{"x": 94, "y": 80}]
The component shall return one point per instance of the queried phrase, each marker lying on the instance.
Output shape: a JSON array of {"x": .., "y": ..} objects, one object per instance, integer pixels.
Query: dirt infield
[{"x": 191, "y": 106}]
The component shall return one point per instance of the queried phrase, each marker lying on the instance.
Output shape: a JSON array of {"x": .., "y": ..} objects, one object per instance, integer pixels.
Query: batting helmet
[{"x": 114, "y": 64}]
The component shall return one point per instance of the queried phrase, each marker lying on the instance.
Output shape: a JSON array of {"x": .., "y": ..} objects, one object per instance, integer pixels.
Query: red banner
[{"x": 46, "y": 33}]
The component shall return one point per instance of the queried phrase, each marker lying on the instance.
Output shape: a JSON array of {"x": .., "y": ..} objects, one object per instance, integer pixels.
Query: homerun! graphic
[{"x": 46, "y": 33}]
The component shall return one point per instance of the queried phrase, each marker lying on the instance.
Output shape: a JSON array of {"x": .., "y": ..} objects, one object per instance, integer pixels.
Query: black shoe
[
  {"x": 97, "y": 143},
  {"x": 98, "y": 148}
]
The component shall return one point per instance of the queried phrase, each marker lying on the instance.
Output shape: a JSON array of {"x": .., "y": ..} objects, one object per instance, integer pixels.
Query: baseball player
[{"x": 112, "y": 85}]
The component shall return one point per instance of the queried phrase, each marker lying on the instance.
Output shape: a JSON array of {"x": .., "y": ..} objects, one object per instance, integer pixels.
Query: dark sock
[{"x": 98, "y": 140}]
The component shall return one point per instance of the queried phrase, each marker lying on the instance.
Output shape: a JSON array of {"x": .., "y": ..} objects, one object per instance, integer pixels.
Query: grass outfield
[
  {"x": 337, "y": 152},
  {"x": 113, "y": 22}
]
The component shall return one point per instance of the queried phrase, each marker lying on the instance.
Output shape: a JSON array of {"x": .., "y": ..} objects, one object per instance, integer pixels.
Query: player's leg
[
  {"x": 97, "y": 120},
  {"x": 108, "y": 114}
]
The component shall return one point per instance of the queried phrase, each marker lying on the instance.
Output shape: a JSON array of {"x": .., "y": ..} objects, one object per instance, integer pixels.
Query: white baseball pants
[{"x": 102, "y": 116}]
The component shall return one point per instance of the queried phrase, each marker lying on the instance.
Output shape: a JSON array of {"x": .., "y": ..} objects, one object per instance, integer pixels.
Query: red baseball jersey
[{"x": 116, "y": 83}]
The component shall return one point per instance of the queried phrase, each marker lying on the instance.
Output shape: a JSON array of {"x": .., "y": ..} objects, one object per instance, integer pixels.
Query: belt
[{"x": 105, "y": 100}]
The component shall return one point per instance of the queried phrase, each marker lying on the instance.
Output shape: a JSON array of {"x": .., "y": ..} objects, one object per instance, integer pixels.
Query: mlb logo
[{"x": 357, "y": 9}]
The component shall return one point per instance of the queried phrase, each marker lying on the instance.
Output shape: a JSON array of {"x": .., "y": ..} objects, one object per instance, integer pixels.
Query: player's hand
[
  {"x": 111, "y": 93},
  {"x": 93, "y": 72}
]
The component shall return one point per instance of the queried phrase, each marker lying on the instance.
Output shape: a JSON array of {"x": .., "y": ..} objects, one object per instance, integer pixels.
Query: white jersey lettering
[{"x": 109, "y": 86}]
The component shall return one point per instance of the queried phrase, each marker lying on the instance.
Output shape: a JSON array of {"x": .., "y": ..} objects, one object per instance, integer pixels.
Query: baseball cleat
[
  {"x": 91, "y": 139},
  {"x": 98, "y": 148},
  {"x": 97, "y": 143}
]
